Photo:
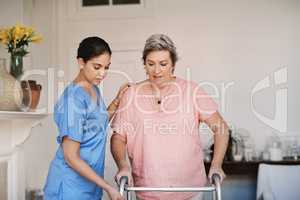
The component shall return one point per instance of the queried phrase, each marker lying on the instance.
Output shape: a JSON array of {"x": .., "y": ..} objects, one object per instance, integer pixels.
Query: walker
[{"x": 215, "y": 188}]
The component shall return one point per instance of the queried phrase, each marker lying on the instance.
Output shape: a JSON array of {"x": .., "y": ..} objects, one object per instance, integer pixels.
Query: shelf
[
  {"x": 249, "y": 168},
  {"x": 17, "y": 115}
]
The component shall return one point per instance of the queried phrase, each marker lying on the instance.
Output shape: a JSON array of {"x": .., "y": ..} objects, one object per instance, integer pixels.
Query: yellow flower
[
  {"x": 18, "y": 32},
  {"x": 36, "y": 39},
  {"x": 29, "y": 32},
  {"x": 17, "y": 38},
  {"x": 4, "y": 36}
]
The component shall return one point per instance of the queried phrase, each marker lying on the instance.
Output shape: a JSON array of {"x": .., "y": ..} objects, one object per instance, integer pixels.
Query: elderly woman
[{"x": 158, "y": 124}]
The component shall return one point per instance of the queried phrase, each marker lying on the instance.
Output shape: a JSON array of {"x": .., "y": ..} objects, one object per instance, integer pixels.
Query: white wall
[
  {"x": 40, "y": 148},
  {"x": 6, "y": 19},
  {"x": 220, "y": 41}
]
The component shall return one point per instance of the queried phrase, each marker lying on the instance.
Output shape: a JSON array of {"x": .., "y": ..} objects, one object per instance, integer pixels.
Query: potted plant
[{"x": 17, "y": 39}]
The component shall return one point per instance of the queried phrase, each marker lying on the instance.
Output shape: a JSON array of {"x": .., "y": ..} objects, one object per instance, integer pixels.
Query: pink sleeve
[
  {"x": 122, "y": 123},
  {"x": 204, "y": 104}
]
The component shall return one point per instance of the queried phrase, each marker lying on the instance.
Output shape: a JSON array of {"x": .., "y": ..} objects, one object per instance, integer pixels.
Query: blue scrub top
[{"x": 83, "y": 120}]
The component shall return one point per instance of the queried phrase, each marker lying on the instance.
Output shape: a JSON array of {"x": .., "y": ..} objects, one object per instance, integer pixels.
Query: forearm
[
  {"x": 112, "y": 108},
  {"x": 118, "y": 150},
  {"x": 221, "y": 136},
  {"x": 82, "y": 168}
]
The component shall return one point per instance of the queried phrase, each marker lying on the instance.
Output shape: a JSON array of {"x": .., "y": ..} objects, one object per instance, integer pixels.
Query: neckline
[
  {"x": 97, "y": 101},
  {"x": 159, "y": 98},
  {"x": 153, "y": 90}
]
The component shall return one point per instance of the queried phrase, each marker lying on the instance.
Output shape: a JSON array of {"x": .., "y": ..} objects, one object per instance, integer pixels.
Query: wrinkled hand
[
  {"x": 124, "y": 171},
  {"x": 216, "y": 170},
  {"x": 114, "y": 194}
]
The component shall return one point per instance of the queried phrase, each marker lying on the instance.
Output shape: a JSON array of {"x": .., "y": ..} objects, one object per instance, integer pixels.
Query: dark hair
[{"x": 91, "y": 47}]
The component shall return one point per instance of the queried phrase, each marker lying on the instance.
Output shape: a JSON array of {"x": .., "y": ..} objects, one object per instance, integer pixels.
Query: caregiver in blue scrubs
[{"x": 76, "y": 172}]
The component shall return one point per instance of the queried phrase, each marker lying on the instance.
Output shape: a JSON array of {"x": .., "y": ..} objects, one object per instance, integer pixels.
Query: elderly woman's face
[{"x": 159, "y": 66}]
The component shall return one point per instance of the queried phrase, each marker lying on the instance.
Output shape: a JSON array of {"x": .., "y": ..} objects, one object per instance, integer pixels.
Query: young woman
[{"x": 76, "y": 173}]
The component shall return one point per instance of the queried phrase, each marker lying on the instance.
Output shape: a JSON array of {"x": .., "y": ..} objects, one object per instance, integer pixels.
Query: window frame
[
  {"x": 111, "y": 3},
  {"x": 76, "y": 11}
]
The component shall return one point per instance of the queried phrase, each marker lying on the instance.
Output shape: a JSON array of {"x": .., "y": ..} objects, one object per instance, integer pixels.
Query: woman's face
[
  {"x": 95, "y": 69},
  {"x": 159, "y": 67}
]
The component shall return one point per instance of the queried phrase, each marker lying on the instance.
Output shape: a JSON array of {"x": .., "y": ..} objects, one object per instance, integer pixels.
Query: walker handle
[
  {"x": 123, "y": 183},
  {"x": 216, "y": 180}
]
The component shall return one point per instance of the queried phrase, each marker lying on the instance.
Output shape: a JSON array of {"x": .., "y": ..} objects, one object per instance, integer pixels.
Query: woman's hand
[
  {"x": 114, "y": 194},
  {"x": 216, "y": 170},
  {"x": 124, "y": 171},
  {"x": 113, "y": 106},
  {"x": 121, "y": 91}
]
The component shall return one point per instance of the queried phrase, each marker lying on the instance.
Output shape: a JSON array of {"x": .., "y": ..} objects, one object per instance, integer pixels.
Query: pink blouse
[{"x": 163, "y": 141}]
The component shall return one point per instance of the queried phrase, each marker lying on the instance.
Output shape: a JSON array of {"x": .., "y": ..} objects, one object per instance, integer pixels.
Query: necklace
[{"x": 157, "y": 93}]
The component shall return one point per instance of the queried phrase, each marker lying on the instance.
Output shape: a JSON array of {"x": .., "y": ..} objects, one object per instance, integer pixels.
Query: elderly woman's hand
[
  {"x": 216, "y": 170},
  {"x": 124, "y": 171}
]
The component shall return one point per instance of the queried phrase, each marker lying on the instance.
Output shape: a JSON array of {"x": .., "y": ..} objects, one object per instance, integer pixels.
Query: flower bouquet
[{"x": 17, "y": 40}]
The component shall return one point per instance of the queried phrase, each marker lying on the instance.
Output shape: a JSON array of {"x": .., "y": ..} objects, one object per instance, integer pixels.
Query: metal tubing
[
  {"x": 171, "y": 189},
  {"x": 123, "y": 182},
  {"x": 128, "y": 195},
  {"x": 215, "y": 188},
  {"x": 216, "y": 179}
]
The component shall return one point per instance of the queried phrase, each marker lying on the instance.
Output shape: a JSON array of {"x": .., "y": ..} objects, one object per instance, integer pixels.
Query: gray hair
[{"x": 159, "y": 42}]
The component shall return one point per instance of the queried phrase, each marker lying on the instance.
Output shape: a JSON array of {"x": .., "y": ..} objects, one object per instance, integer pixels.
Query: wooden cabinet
[{"x": 249, "y": 168}]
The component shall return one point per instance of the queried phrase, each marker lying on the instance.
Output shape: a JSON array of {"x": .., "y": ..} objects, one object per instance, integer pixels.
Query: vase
[
  {"x": 31, "y": 94},
  {"x": 10, "y": 90},
  {"x": 16, "y": 65}
]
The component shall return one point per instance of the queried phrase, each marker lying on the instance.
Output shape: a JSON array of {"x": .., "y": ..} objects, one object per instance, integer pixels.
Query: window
[
  {"x": 86, "y": 3},
  {"x": 116, "y": 2},
  {"x": 95, "y": 2},
  {"x": 109, "y": 9}
]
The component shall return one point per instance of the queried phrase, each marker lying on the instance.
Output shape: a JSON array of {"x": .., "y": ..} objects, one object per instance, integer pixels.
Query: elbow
[
  {"x": 70, "y": 159},
  {"x": 117, "y": 142},
  {"x": 117, "y": 138}
]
